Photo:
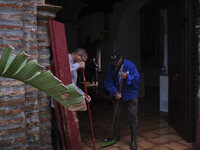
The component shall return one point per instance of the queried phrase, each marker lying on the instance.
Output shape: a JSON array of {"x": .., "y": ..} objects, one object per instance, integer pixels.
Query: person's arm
[
  {"x": 74, "y": 66},
  {"x": 79, "y": 90},
  {"x": 87, "y": 98},
  {"x": 133, "y": 76},
  {"x": 108, "y": 82}
]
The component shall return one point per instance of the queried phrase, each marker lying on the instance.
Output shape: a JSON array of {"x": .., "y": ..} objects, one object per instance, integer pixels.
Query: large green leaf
[
  {"x": 15, "y": 67},
  {"x": 4, "y": 59},
  {"x": 15, "y": 64}
]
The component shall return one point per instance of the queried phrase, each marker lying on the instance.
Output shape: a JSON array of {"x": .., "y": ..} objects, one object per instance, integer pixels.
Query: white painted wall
[{"x": 164, "y": 80}]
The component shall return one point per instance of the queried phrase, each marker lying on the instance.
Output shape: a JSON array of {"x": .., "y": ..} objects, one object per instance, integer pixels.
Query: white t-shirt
[{"x": 73, "y": 68}]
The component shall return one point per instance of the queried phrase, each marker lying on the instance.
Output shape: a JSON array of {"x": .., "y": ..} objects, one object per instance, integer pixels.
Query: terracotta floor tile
[
  {"x": 139, "y": 138},
  {"x": 119, "y": 143},
  {"x": 153, "y": 133},
  {"x": 177, "y": 146},
  {"x": 160, "y": 147},
  {"x": 161, "y": 131},
  {"x": 159, "y": 140},
  {"x": 98, "y": 145},
  {"x": 148, "y": 135},
  {"x": 173, "y": 137},
  {"x": 149, "y": 127},
  {"x": 126, "y": 139},
  {"x": 140, "y": 148},
  {"x": 146, "y": 144},
  {"x": 184, "y": 142},
  {"x": 111, "y": 148},
  {"x": 124, "y": 147},
  {"x": 171, "y": 130},
  {"x": 85, "y": 147},
  {"x": 163, "y": 124}
]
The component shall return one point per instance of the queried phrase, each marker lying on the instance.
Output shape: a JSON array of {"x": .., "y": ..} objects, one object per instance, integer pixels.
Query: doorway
[
  {"x": 177, "y": 68},
  {"x": 181, "y": 99},
  {"x": 151, "y": 55}
]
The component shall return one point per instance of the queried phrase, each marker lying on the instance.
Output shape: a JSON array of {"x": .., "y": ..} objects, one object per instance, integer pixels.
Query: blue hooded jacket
[{"x": 130, "y": 85}]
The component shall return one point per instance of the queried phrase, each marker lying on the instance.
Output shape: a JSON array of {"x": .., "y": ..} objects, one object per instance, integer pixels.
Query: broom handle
[
  {"x": 86, "y": 94},
  {"x": 120, "y": 89},
  {"x": 121, "y": 84}
]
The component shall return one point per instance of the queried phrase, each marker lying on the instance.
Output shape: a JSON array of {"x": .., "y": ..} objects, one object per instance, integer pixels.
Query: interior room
[{"x": 155, "y": 37}]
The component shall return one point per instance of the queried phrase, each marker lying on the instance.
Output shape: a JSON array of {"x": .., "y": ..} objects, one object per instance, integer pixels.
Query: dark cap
[{"x": 114, "y": 57}]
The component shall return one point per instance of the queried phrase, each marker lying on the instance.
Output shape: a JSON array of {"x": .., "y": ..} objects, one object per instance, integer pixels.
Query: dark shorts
[{"x": 130, "y": 108}]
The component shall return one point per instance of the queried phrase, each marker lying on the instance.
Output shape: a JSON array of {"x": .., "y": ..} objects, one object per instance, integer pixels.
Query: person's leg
[
  {"x": 54, "y": 133},
  {"x": 132, "y": 107},
  {"x": 56, "y": 141},
  {"x": 117, "y": 119}
]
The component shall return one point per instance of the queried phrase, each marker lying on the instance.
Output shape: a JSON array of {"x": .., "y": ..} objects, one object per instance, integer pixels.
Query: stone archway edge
[{"x": 15, "y": 66}]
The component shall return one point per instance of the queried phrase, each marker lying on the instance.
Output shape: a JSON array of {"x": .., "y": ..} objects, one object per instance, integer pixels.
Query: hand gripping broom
[{"x": 111, "y": 141}]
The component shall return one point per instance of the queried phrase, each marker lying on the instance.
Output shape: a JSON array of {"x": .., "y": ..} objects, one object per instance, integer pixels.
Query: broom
[
  {"x": 91, "y": 125},
  {"x": 111, "y": 141}
]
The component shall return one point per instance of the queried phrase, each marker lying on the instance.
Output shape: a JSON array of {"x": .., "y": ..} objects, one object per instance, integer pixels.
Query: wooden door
[
  {"x": 151, "y": 48},
  {"x": 67, "y": 120},
  {"x": 181, "y": 112}
]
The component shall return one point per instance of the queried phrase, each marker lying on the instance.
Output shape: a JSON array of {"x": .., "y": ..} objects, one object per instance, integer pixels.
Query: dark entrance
[
  {"x": 151, "y": 52},
  {"x": 180, "y": 48},
  {"x": 181, "y": 102}
]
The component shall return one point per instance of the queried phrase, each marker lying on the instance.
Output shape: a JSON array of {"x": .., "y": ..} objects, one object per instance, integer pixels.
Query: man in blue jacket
[{"x": 123, "y": 69}]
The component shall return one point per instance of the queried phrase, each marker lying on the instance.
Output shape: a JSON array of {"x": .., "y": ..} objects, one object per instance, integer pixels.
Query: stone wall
[
  {"x": 44, "y": 13},
  {"x": 25, "y": 116}
]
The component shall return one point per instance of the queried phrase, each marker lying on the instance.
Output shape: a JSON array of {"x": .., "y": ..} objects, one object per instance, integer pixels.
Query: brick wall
[
  {"x": 25, "y": 119},
  {"x": 44, "y": 13}
]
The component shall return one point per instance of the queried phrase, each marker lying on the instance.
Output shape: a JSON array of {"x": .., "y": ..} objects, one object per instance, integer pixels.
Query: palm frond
[{"x": 15, "y": 66}]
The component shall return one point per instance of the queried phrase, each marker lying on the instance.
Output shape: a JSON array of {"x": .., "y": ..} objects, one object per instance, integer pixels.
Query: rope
[{"x": 93, "y": 139}]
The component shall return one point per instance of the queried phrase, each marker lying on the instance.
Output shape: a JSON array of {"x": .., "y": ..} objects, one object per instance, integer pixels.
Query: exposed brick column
[
  {"x": 11, "y": 24},
  {"x": 44, "y": 13},
  {"x": 31, "y": 107},
  {"x": 21, "y": 126},
  {"x": 12, "y": 100}
]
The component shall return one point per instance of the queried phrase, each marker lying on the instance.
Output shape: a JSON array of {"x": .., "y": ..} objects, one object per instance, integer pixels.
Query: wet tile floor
[{"x": 153, "y": 133}]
